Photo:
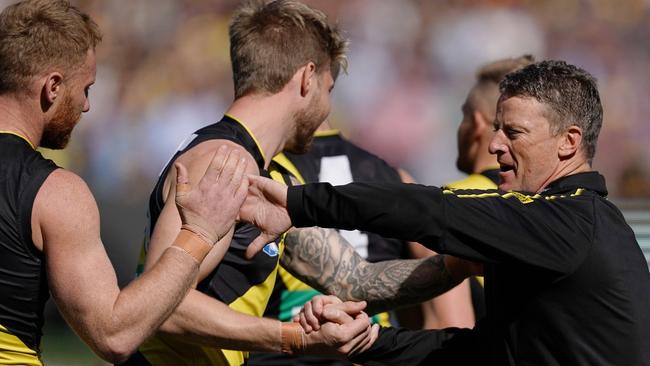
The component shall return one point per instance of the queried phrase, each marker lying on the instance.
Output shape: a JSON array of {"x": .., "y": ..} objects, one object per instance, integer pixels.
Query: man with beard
[
  {"x": 49, "y": 221},
  {"x": 285, "y": 57},
  {"x": 567, "y": 281}
]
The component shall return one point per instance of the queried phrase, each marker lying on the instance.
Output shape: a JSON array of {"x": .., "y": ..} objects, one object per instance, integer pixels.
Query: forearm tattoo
[{"x": 324, "y": 260}]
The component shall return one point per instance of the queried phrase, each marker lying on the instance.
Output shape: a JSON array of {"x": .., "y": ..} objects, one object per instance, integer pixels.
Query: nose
[{"x": 497, "y": 143}]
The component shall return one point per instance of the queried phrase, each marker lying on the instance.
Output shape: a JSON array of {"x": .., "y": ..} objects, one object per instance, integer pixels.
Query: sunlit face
[
  {"x": 71, "y": 104},
  {"x": 308, "y": 119},
  {"x": 526, "y": 149}
]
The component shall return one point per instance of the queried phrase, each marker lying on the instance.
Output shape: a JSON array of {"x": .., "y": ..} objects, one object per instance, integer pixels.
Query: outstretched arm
[
  {"x": 453, "y": 308},
  {"x": 65, "y": 224},
  {"x": 207, "y": 321},
  {"x": 324, "y": 260}
]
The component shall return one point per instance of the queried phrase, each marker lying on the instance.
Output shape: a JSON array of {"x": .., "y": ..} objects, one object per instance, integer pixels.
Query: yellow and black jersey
[
  {"x": 244, "y": 285},
  {"x": 487, "y": 179},
  {"x": 332, "y": 159},
  {"x": 566, "y": 281},
  {"x": 23, "y": 282}
]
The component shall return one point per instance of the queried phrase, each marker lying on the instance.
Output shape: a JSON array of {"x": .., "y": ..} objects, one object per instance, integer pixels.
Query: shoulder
[
  {"x": 473, "y": 181},
  {"x": 64, "y": 189},
  {"x": 198, "y": 158},
  {"x": 64, "y": 206},
  {"x": 204, "y": 151}
]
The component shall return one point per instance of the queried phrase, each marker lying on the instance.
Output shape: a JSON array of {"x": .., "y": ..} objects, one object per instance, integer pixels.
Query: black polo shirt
[{"x": 566, "y": 281}]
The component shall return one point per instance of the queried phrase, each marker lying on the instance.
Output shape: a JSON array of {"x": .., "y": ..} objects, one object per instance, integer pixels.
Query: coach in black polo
[{"x": 566, "y": 282}]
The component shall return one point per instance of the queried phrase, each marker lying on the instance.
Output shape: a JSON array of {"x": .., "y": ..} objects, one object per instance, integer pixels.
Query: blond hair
[
  {"x": 488, "y": 78},
  {"x": 270, "y": 41},
  {"x": 37, "y": 35}
]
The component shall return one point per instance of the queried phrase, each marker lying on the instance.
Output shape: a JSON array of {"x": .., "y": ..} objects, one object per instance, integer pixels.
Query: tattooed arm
[{"x": 324, "y": 260}]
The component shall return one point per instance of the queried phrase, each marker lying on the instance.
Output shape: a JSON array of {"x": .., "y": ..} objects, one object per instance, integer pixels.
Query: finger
[
  {"x": 257, "y": 245},
  {"x": 353, "y": 307},
  {"x": 309, "y": 316},
  {"x": 374, "y": 334},
  {"x": 368, "y": 342},
  {"x": 255, "y": 180},
  {"x": 354, "y": 327},
  {"x": 304, "y": 323},
  {"x": 229, "y": 167},
  {"x": 242, "y": 186},
  {"x": 182, "y": 180},
  {"x": 238, "y": 176},
  {"x": 360, "y": 341},
  {"x": 333, "y": 314},
  {"x": 216, "y": 164},
  {"x": 318, "y": 303}
]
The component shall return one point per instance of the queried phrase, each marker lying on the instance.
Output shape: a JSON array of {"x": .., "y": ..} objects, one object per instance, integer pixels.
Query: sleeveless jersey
[
  {"x": 332, "y": 159},
  {"x": 23, "y": 281},
  {"x": 244, "y": 285}
]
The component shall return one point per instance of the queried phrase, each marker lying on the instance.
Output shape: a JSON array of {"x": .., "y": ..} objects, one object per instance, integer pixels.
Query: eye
[
  {"x": 87, "y": 90},
  {"x": 510, "y": 132}
]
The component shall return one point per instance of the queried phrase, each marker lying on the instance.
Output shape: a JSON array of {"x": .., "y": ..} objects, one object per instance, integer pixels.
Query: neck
[
  {"x": 325, "y": 126},
  {"x": 570, "y": 167},
  {"x": 267, "y": 117},
  {"x": 485, "y": 162},
  {"x": 16, "y": 117}
]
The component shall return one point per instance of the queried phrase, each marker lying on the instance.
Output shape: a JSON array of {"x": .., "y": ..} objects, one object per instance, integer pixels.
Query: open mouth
[{"x": 505, "y": 167}]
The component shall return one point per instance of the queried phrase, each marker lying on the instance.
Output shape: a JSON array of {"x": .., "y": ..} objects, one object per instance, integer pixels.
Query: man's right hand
[
  {"x": 343, "y": 330},
  {"x": 266, "y": 208},
  {"x": 210, "y": 207}
]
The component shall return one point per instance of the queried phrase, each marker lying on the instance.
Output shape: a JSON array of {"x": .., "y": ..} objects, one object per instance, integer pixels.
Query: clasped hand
[{"x": 334, "y": 328}]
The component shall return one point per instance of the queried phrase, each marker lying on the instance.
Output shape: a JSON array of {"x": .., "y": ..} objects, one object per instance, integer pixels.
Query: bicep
[
  {"x": 168, "y": 226},
  {"x": 169, "y": 223}
]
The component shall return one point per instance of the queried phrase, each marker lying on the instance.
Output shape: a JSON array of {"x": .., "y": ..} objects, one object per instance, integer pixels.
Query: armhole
[{"x": 25, "y": 204}]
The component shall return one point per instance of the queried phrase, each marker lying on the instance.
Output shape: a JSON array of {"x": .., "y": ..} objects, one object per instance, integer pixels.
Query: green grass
[{"x": 62, "y": 347}]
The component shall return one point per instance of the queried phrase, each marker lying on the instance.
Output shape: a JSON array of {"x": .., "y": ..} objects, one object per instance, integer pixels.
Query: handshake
[{"x": 329, "y": 328}]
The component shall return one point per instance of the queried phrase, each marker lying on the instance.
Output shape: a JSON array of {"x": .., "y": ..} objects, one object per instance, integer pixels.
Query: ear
[
  {"x": 52, "y": 87},
  {"x": 479, "y": 123},
  {"x": 308, "y": 79},
  {"x": 570, "y": 142}
]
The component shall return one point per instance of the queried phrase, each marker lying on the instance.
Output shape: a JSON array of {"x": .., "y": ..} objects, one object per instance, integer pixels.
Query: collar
[
  {"x": 19, "y": 136},
  {"x": 250, "y": 133},
  {"x": 592, "y": 181},
  {"x": 491, "y": 174},
  {"x": 330, "y": 132}
]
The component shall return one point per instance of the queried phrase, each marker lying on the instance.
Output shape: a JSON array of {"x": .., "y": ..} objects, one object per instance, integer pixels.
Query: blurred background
[{"x": 163, "y": 71}]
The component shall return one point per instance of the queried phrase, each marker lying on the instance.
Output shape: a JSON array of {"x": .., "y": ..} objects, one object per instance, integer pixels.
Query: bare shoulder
[
  {"x": 63, "y": 190},
  {"x": 202, "y": 154},
  {"x": 198, "y": 158},
  {"x": 63, "y": 203}
]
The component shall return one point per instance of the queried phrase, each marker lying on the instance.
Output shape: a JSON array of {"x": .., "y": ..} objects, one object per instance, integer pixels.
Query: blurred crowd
[{"x": 163, "y": 71}]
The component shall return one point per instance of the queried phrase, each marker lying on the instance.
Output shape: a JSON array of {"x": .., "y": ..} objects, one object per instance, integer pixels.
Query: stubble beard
[
  {"x": 57, "y": 131},
  {"x": 307, "y": 122}
]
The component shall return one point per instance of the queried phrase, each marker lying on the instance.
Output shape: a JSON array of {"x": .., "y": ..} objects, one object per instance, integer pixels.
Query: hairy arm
[
  {"x": 324, "y": 260},
  {"x": 82, "y": 281},
  {"x": 65, "y": 225},
  {"x": 199, "y": 317}
]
